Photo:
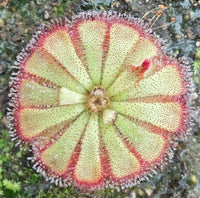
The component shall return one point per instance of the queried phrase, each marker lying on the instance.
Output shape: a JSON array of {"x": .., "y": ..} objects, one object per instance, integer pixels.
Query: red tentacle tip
[
  {"x": 141, "y": 69},
  {"x": 145, "y": 65}
]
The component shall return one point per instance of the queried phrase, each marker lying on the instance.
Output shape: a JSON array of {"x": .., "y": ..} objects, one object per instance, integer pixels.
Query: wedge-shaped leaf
[
  {"x": 34, "y": 94},
  {"x": 92, "y": 35},
  {"x": 43, "y": 65},
  {"x": 58, "y": 155},
  {"x": 32, "y": 121},
  {"x": 60, "y": 46},
  {"x": 143, "y": 49},
  {"x": 164, "y": 115},
  {"x": 123, "y": 82},
  {"x": 148, "y": 144},
  {"x": 123, "y": 163},
  {"x": 166, "y": 82},
  {"x": 122, "y": 38},
  {"x": 88, "y": 168}
]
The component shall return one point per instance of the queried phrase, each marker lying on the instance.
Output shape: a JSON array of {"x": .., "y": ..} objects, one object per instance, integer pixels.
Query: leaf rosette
[{"x": 99, "y": 101}]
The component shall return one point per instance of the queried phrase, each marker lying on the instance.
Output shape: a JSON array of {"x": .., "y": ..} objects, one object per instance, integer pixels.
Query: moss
[
  {"x": 11, "y": 185},
  {"x": 197, "y": 62},
  {"x": 60, "y": 9}
]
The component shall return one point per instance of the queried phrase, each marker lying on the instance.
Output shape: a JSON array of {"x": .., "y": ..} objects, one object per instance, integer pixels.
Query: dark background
[{"x": 18, "y": 21}]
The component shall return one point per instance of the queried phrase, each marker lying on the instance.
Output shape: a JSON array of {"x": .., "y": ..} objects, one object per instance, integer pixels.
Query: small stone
[
  {"x": 192, "y": 180},
  {"x": 187, "y": 17},
  {"x": 148, "y": 191},
  {"x": 190, "y": 33},
  {"x": 194, "y": 95},
  {"x": 2, "y": 68},
  {"x": 16, "y": 38},
  {"x": 133, "y": 194},
  {"x": 20, "y": 23},
  {"x": 116, "y": 4},
  {"x": 26, "y": 31},
  {"x": 38, "y": 2},
  {"x": 46, "y": 15},
  {"x": 4, "y": 121},
  {"x": 101, "y": 8},
  {"x": 140, "y": 192},
  {"x": 177, "y": 36},
  {"x": 197, "y": 43},
  {"x": 3, "y": 3},
  {"x": 135, "y": 9},
  {"x": 2, "y": 22},
  {"x": 3, "y": 36}
]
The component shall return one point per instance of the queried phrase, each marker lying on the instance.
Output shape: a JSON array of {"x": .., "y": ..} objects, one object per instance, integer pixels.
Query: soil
[{"x": 19, "y": 19}]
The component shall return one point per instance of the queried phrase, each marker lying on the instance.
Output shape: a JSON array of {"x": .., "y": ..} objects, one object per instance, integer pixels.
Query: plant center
[{"x": 97, "y": 100}]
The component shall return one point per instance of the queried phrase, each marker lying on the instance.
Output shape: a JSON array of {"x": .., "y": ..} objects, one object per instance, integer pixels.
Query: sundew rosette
[{"x": 98, "y": 101}]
